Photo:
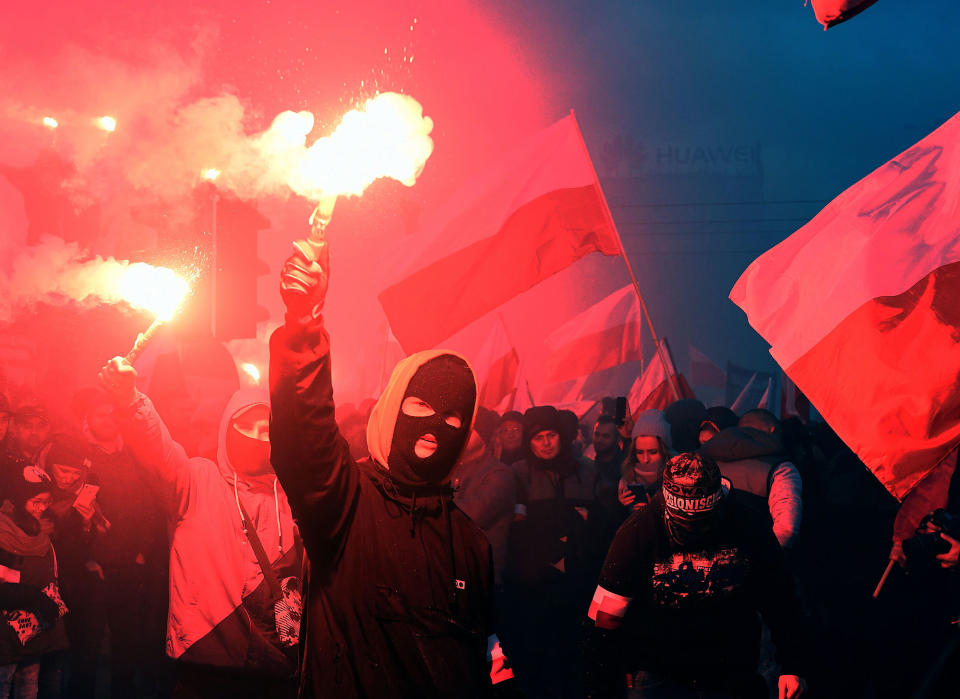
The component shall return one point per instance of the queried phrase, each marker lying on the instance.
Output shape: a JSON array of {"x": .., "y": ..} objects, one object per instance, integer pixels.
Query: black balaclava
[{"x": 447, "y": 384}]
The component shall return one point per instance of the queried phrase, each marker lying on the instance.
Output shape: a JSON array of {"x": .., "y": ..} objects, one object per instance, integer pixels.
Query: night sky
[{"x": 819, "y": 109}]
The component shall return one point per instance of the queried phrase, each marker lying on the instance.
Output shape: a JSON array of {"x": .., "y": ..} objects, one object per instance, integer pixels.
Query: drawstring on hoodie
[
  {"x": 413, "y": 515},
  {"x": 276, "y": 505},
  {"x": 236, "y": 495}
]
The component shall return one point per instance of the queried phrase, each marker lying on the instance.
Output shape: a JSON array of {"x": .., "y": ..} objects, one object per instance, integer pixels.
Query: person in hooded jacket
[
  {"x": 31, "y": 607},
  {"x": 400, "y": 585},
  {"x": 231, "y": 631},
  {"x": 752, "y": 456}
]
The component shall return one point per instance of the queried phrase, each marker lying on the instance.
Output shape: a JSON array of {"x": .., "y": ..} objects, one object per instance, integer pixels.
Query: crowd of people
[{"x": 423, "y": 546}]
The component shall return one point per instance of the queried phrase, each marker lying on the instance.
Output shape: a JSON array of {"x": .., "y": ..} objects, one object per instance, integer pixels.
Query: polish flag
[
  {"x": 860, "y": 307},
  {"x": 537, "y": 211},
  {"x": 762, "y": 391},
  {"x": 832, "y": 12},
  {"x": 653, "y": 389},
  {"x": 497, "y": 367},
  {"x": 792, "y": 401},
  {"x": 704, "y": 372},
  {"x": 607, "y": 334}
]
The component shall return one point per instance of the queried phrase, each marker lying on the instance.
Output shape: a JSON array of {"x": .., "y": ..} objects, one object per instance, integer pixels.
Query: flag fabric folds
[
  {"x": 832, "y": 12},
  {"x": 861, "y": 309},
  {"x": 607, "y": 334},
  {"x": 653, "y": 389},
  {"x": 538, "y": 210},
  {"x": 704, "y": 372},
  {"x": 497, "y": 367}
]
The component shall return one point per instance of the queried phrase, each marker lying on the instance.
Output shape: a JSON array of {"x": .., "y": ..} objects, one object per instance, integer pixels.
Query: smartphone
[
  {"x": 86, "y": 495},
  {"x": 639, "y": 490}
]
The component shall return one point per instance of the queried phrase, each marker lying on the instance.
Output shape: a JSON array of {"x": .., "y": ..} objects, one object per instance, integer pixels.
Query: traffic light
[{"x": 235, "y": 267}]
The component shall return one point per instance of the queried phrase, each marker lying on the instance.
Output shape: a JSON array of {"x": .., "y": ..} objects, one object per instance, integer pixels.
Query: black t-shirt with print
[{"x": 695, "y": 613}]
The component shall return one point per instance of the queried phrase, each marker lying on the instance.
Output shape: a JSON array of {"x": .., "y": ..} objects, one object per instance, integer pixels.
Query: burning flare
[
  {"x": 107, "y": 123},
  {"x": 156, "y": 289},
  {"x": 50, "y": 122},
  {"x": 252, "y": 371},
  {"x": 387, "y": 137}
]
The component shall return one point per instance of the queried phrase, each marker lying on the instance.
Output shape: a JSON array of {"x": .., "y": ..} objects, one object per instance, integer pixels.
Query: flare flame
[
  {"x": 155, "y": 289},
  {"x": 387, "y": 137}
]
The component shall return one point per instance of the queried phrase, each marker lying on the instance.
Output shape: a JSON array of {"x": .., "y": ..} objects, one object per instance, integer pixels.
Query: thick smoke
[{"x": 57, "y": 271}]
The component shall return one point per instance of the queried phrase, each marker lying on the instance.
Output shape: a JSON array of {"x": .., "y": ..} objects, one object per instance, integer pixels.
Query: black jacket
[{"x": 400, "y": 585}]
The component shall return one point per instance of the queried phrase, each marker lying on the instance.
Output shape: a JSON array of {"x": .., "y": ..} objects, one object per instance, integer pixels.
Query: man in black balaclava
[{"x": 400, "y": 590}]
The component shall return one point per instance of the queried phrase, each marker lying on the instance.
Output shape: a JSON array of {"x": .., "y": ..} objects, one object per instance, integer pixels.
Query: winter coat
[
  {"x": 221, "y": 611},
  {"x": 22, "y": 578},
  {"x": 400, "y": 588},
  {"x": 486, "y": 490},
  {"x": 136, "y": 523},
  {"x": 558, "y": 527},
  {"x": 756, "y": 463}
]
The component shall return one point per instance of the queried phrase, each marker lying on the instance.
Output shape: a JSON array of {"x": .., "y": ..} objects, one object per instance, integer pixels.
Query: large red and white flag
[
  {"x": 653, "y": 389},
  {"x": 862, "y": 309},
  {"x": 607, "y": 334},
  {"x": 705, "y": 372},
  {"x": 537, "y": 211},
  {"x": 497, "y": 365}
]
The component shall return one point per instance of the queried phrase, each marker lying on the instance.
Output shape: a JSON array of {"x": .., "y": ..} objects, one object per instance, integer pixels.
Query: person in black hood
[{"x": 400, "y": 587}]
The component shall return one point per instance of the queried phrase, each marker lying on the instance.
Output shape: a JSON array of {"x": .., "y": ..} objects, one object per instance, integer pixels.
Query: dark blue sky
[
  {"x": 826, "y": 108},
  {"x": 818, "y": 111}
]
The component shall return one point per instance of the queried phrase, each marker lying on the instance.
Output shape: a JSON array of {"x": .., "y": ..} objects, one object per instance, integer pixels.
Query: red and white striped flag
[
  {"x": 653, "y": 389},
  {"x": 537, "y": 211},
  {"x": 497, "y": 367},
  {"x": 861, "y": 309},
  {"x": 607, "y": 334}
]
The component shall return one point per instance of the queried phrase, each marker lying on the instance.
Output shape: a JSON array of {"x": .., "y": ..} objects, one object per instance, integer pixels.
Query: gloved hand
[
  {"x": 304, "y": 278},
  {"x": 119, "y": 379}
]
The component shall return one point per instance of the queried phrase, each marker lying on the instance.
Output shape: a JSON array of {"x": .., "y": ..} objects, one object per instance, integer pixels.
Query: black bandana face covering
[{"x": 446, "y": 384}]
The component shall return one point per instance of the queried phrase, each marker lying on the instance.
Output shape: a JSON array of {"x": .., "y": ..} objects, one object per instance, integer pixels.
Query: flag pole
[{"x": 636, "y": 286}]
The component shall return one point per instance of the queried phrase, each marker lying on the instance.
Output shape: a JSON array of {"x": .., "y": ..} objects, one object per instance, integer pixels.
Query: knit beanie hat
[
  {"x": 652, "y": 423},
  {"x": 692, "y": 485},
  {"x": 720, "y": 417},
  {"x": 511, "y": 416},
  {"x": 32, "y": 481},
  {"x": 685, "y": 417}
]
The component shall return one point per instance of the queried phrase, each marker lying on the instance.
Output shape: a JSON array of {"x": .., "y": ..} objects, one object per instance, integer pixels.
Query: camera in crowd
[{"x": 923, "y": 547}]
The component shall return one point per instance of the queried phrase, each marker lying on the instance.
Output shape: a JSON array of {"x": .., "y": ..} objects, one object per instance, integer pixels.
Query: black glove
[{"x": 304, "y": 279}]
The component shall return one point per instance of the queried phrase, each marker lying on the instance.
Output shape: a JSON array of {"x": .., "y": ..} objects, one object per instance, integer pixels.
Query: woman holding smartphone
[{"x": 648, "y": 454}]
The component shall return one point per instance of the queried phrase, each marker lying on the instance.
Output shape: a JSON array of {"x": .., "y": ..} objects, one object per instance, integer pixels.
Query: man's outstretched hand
[
  {"x": 119, "y": 379},
  {"x": 305, "y": 277}
]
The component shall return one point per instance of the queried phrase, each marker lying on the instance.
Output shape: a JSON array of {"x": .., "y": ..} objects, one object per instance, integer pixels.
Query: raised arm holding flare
[{"x": 401, "y": 581}]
